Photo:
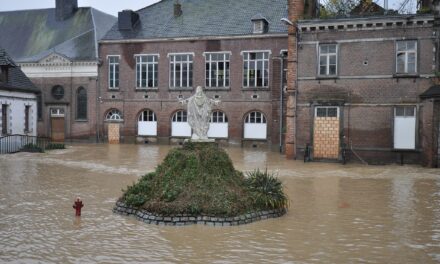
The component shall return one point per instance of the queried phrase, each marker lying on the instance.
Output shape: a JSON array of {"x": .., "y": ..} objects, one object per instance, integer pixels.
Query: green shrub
[
  {"x": 266, "y": 190},
  {"x": 32, "y": 148},
  {"x": 52, "y": 146}
]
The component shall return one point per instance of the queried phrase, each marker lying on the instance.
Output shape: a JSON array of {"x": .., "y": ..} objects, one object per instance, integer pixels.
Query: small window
[
  {"x": 113, "y": 71},
  {"x": 114, "y": 115},
  {"x": 147, "y": 116},
  {"x": 326, "y": 112},
  {"x": 27, "y": 117},
  {"x": 406, "y": 57},
  {"x": 57, "y": 112},
  {"x": 328, "y": 59},
  {"x": 39, "y": 107},
  {"x": 180, "y": 117},
  {"x": 5, "y": 119}
]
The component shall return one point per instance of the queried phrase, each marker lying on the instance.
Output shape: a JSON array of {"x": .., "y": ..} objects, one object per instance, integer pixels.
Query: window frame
[
  {"x": 189, "y": 62},
  {"x": 155, "y": 73},
  {"x": 327, "y": 108},
  {"x": 327, "y": 64},
  {"x": 406, "y": 52},
  {"x": 262, "y": 117},
  {"x": 120, "y": 119},
  {"x": 180, "y": 114},
  {"x": 150, "y": 113},
  {"x": 246, "y": 80},
  {"x": 77, "y": 118},
  {"x": 226, "y": 70},
  {"x": 113, "y": 82},
  {"x": 221, "y": 118}
]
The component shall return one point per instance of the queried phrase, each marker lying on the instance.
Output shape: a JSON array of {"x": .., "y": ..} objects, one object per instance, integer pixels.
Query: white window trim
[
  {"x": 328, "y": 60},
  {"x": 216, "y": 52},
  {"x": 228, "y": 70},
  {"x": 140, "y": 75},
  {"x": 114, "y": 72},
  {"x": 406, "y": 57},
  {"x": 268, "y": 68},
  {"x": 173, "y": 85}
]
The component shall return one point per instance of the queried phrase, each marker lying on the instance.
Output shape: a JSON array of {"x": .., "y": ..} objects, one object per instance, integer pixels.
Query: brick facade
[
  {"x": 366, "y": 88},
  {"x": 236, "y": 101}
]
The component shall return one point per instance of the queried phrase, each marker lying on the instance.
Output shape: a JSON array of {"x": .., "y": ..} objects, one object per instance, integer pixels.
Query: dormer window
[{"x": 260, "y": 24}]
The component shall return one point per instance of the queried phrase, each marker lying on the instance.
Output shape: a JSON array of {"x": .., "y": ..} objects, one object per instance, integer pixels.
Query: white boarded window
[
  {"x": 255, "y": 126},
  {"x": 218, "y": 125},
  {"x": 405, "y": 127},
  {"x": 147, "y": 123},
  {"x": 406, "y": 56},
  {"x": 179, "y": 125},
  {"x": 328, "y": 56}
]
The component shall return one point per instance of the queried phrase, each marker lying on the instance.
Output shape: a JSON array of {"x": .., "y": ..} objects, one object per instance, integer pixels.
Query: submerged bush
[
  {"x": 266, "y": 190},
  {"x": 52, "y": 146},
  {"x": 199, "y": 179}
]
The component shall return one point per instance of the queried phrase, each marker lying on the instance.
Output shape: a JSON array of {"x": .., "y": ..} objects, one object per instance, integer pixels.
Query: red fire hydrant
[{"x": 78, "y": 204}]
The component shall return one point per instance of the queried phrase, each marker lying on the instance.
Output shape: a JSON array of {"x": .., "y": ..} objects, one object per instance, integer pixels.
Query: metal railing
[{"x": 16, "y": 143}]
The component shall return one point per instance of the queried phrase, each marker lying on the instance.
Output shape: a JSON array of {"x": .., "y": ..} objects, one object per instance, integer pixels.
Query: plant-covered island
[{"x": 197, "y": 183}]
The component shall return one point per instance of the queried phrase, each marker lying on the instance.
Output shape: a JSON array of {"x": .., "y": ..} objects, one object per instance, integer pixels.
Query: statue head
[{"x": 199, "y": 91}]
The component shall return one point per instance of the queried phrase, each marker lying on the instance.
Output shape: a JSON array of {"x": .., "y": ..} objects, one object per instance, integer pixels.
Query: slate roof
[
  {"x": 17, "y": 80},
  {"x": 32, "y": 35},
  {"x": 432, "y": 92},
  {"x": 204, "y": 18}
]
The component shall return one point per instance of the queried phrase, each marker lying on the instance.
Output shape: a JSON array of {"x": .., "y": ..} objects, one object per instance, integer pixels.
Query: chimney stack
[
  {"x": 127, "y": 19},
  {"x": 65, "y": 9},
  {"x": 177, "y": 9}
]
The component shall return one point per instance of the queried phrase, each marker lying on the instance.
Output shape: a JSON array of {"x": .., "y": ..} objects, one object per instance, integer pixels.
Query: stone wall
[{"x": 185, "y": 219}]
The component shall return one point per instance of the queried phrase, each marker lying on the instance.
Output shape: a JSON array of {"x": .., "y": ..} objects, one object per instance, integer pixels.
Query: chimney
[
  {"x": 127, "y": 19},
  {"x": 64, "y": 9},
  {"x": 177, "y": 9}
]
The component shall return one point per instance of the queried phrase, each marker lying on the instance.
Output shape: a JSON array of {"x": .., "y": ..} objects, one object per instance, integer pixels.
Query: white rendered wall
[{"x": 17, "y": 103}]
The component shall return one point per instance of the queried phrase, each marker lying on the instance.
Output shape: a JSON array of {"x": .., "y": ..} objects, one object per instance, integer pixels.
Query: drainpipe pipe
[
  {"x": 98, "y": 102},
  {"x": 281, "y": 101}
]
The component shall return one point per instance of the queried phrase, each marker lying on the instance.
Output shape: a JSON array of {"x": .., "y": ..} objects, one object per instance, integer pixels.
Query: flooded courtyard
[{"x": 338, "y": 214}]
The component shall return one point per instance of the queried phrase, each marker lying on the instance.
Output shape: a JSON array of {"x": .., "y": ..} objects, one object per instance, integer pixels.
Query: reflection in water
[{"x": 338, "y": 214}]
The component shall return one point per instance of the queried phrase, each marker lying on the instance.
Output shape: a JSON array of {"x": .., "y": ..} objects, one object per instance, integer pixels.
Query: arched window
[
  {"x": 147, "y": 123},
  {"x": 147, "y": 116},
  {"x": 218, "y": 125},
  {"x": 255, "y": 126},
  {"x": 218, "y": 117},
  {"x": 114, "y": 115},
  {"x": 180, "y": 116},
  {"x": 81, "y": 104}
]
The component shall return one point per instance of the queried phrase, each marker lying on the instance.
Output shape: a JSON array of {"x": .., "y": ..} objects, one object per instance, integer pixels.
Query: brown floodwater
[{"x": 338, "y": 214}]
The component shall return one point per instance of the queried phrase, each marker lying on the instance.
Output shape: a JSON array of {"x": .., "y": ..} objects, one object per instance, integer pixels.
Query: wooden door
[
  {"x": 113, "y": 133},
  {"x": 57, "y": 132}
]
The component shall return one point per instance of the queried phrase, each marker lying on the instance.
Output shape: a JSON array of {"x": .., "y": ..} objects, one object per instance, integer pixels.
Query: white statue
[{"x": 199, "y": 114}]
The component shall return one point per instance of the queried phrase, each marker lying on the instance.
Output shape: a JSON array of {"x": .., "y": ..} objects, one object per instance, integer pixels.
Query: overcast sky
[
  {"x": 114, "y": 6},
  {"x": 108, "y": 6}
]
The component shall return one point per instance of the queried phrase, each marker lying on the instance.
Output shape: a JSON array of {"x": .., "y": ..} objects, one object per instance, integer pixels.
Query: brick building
[
  {"x": 159, "y": 54},
  {"x": 366, "y": 85},
  {"x": 57, "y": 49}
]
